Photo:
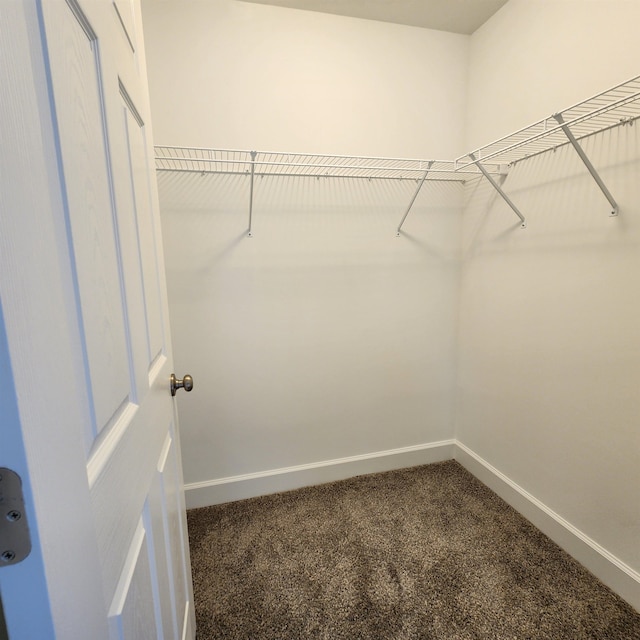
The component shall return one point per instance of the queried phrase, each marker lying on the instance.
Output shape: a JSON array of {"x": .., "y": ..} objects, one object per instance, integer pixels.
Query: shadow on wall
[
  {"x": 561, "y": 202},
  {"x": 320, "y": 216},
  {"x": 314, "y": 337}
]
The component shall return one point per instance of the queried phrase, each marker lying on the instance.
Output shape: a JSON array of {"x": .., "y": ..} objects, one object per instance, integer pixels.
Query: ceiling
[{"x": 457, "y": 16}]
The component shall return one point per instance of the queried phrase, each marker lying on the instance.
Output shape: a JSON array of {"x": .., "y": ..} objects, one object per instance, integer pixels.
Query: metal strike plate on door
[{"x": 15, "y": 542}]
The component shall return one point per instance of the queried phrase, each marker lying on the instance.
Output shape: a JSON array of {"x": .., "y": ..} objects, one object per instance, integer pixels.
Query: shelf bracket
[
  {"x": 587, "y": 163},
  {"x": 415, "y": 195},
  {"x": 497, "y": 187},
  {"x": 253, "y": 170}
]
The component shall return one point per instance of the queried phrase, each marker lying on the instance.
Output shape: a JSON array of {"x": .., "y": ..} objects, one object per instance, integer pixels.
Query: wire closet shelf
[
  {"x": 618, "y": 106},
  {"x": 614, "y": 107},
  {"x": 305, "y": 165}
]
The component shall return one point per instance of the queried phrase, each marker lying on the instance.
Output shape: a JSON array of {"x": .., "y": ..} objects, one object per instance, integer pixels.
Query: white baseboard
[
  {"x": 202, "y": 494},
  {"x": 605, "y": 566}
]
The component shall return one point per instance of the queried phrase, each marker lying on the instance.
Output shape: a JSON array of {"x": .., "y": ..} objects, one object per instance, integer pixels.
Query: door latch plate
[{"x": 15, "y": 542}]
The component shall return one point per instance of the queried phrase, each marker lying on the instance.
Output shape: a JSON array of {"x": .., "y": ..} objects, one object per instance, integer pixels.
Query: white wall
[
  {"x": 549, "y": 344},
  {"x": 536, "y": 57},
  {"x": 321, "y": 337},
  {"x": 229, "y": 74},
  {"x": 324, "y": 336}
]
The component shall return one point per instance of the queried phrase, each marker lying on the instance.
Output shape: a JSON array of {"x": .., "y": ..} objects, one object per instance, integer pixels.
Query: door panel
[
  {"x": 156, "y": 524},
  {"x": 132, "y": 615},
  {"x": 92, "y": 218},
  {"x": 167, "y": 540},
  {"x": 121, "y": 488},
  {"x": 140, "y": 173},
  {"x": 175, "y": 533}
]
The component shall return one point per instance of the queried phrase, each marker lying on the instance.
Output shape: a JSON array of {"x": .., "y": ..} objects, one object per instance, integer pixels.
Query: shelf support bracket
[
  {"x": 415, "y": 195},
  {"x": 583, "y": 156},
  {"x": 498, "y": 188},
  {"x": 253, "y": 170}
]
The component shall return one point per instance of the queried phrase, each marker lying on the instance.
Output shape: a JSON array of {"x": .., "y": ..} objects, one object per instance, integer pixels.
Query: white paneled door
[{"x": 88, "y": 420}]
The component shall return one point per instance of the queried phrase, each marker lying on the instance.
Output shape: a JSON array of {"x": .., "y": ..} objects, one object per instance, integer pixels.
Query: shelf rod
[
  {"x": 253, "y": 169},
  {"x": 415, "y": 195},
  {"x": 587, "y": 162},
  {"x": 497, "y": 187}
]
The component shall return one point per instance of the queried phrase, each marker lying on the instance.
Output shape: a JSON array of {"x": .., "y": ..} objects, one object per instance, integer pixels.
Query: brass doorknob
[{"x": 186, "y": 383}]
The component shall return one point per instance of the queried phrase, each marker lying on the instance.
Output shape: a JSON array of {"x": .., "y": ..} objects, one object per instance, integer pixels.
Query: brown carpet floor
[{"x": 421, "y": 553}]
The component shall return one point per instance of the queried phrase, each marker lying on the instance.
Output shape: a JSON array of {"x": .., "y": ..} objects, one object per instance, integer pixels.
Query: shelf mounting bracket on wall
[
  {"x": 583, "y": 156},
  {"x": 415, "y": 195},
  {"x": 498, "y": 188},
  {"x": 253, "y": 171}
]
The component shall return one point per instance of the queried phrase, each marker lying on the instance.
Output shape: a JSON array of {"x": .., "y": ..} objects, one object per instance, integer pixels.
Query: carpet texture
[{"x": 421, "y": 553}]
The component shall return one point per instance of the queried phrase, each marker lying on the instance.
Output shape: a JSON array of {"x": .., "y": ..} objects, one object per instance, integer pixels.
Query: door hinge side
[{"x": 15, "y": 541}]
